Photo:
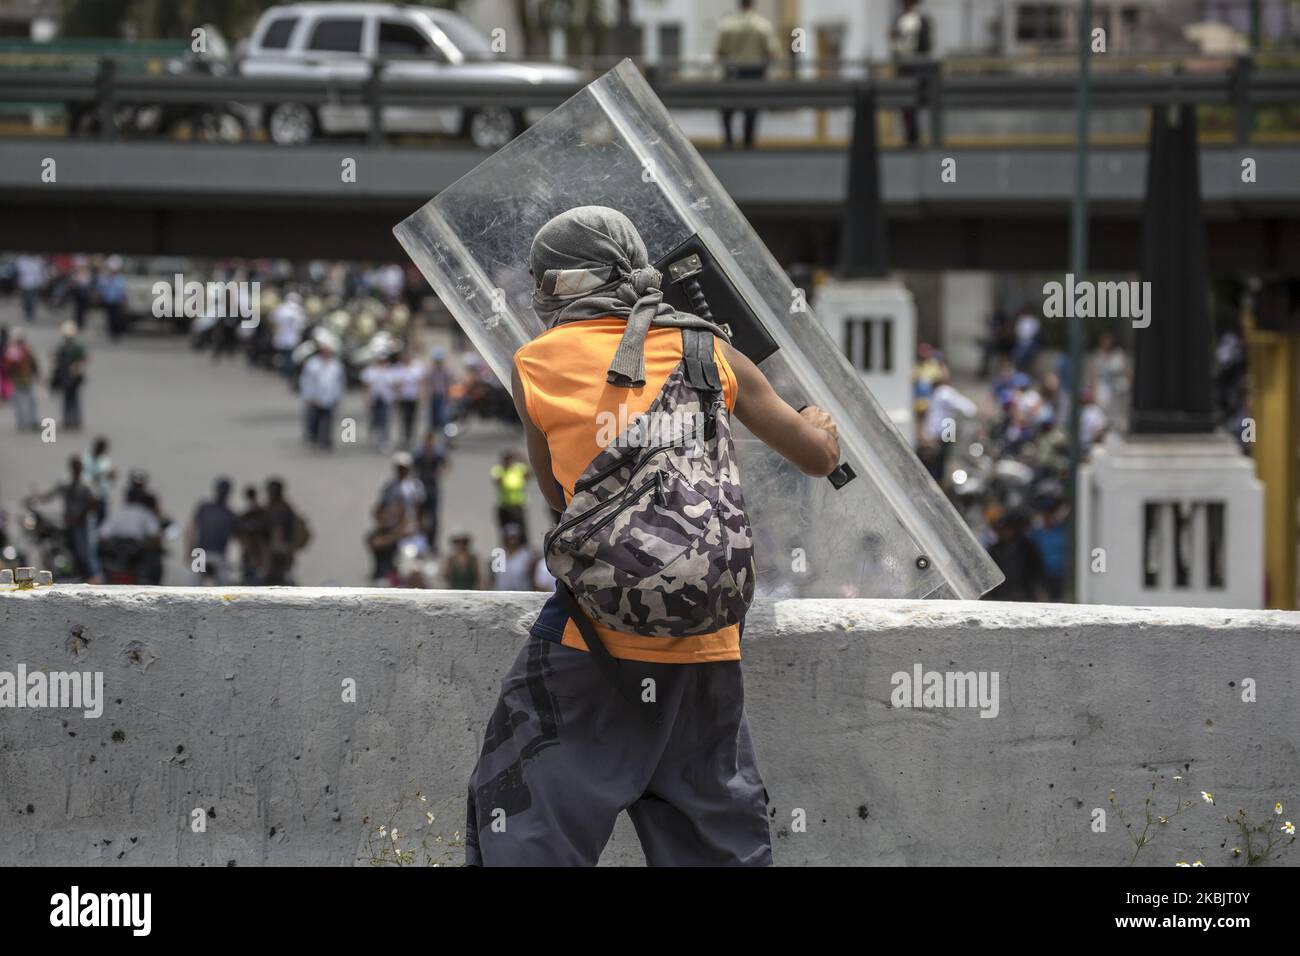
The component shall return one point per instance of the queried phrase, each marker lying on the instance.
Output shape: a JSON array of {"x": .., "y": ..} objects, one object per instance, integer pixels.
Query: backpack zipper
[
  {"x": 633, "y": 498},
  {"x": 586, "y": 515},
  {"x": 641, "y": 459},
  {"x": 615, "y": 465}
]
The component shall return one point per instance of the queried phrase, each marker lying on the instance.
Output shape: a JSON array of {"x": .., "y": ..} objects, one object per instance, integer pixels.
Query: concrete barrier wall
[{"x": 232, "y": 702}]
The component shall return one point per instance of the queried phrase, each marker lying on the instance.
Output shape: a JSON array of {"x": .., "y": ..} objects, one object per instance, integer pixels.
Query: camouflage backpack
[{"x": 655, "y": 540}]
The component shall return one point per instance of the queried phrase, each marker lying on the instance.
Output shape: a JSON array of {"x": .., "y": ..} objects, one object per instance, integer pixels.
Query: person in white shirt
[
  {"x": 391, "y": 281},
  {"x": 937, "y": 435},
  {"x": 1092, "y": 422},
  {"x": 131, "y": 538},
  {"x": 287, "y": 322},
  {"x": 1109, "y": 378},
  {"x": 322, "y": 386},
  {"x": 409, "y": 379},
  {"x": 1027, "y": 328},
  {"x": 518, "y": 564},
  {"x": 379, "y": 379},
  {"x": 31, "y": 280}
]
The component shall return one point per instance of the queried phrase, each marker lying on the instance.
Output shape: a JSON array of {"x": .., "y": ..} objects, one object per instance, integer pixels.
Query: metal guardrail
[{"x": 927, "y": 86}]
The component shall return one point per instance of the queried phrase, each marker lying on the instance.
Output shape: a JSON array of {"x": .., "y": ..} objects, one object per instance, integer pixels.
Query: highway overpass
[{"x": 1007, "y": 209}]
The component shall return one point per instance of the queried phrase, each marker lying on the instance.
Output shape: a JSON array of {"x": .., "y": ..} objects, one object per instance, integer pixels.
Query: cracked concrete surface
[{"x": 228, "y": 704}]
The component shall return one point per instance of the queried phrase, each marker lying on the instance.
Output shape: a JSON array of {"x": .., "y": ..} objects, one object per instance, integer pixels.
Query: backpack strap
[
  {"x": 623, "y": 678},
  {"x": 588, "y": 631},
  {"x": 697, "y": 353}
]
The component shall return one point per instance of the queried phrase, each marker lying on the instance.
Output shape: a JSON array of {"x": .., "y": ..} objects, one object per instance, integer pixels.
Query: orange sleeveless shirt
[{"x": 565, "y": 393}]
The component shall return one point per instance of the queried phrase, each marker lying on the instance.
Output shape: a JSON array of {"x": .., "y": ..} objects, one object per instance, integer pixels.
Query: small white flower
[
  {"x": 1277, "y": 808},
  {"x": 1207, "y": 797},
  {"x": 383, "y": 831},
  {"x": 429, "y": 817},
  {"x": 1198, "y": 863},
  {"x": 1288, "y": 828},
  {"x": 1182, "y": 863},
  {"x": 394, "y": 834}
]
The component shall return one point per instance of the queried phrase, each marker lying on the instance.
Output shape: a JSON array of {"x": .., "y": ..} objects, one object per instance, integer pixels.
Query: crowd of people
[
  {"x": 107, "y": 535},
  {"x": 22, "y": 372},
  {"x": 1002, "y": 455},
  {"x": 748, "y": 46},
  {"x": 327, "y": 328},
  {"x": 357, "y": 330},
  {"x": 1003, "y": 458}
]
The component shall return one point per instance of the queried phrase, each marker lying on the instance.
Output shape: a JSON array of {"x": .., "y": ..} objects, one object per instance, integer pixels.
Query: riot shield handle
[{"x": 843, "y": 472}]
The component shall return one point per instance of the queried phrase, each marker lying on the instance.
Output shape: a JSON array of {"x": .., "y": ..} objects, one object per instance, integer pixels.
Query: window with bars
[
  {"x": 1184, "y": 545},
  {"x": 869, "y": 343}
]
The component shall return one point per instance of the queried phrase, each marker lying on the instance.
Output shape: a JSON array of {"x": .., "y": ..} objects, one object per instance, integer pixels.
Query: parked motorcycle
[
  {"x": 10, "y": 555},
  {"x": 127, "y": 560},
  {"x": 49, "y": 542}
]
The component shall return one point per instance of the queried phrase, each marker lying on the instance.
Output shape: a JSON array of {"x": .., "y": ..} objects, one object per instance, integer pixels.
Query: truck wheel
[
  {"x": 291, "y": 124},
  {"x": 493, "y": 126}
]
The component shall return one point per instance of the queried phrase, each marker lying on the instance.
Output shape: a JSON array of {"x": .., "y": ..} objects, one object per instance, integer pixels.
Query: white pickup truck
[{"x": 338, "y": 41}]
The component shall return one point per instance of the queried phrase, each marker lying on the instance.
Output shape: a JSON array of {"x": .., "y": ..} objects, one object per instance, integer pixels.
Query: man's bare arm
[
  {"x": 539, "y": 453},
  {"x": 808, "y": 439}
]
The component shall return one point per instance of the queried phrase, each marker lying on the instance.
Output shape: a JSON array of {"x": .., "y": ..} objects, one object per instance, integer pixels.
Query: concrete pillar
[
  {"x": 874, "y": 321},
  {"x": 967, "y": 300},
  {"x": 1170, "y": 521}
]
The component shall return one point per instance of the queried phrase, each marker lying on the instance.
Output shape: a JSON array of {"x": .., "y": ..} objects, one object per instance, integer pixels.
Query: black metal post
[
  {"x": 375, "y": 101},
  {"x": 1242, "y": 113},
  {"x": 1079, "y": 267},
  {"x": 105, "y": 105}
]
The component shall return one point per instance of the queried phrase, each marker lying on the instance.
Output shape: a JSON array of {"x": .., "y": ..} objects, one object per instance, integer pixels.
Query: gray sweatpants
[{"x": 568, "y": 748}]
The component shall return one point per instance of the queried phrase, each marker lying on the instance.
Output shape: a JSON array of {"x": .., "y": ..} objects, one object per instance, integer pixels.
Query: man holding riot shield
[
  {"x": 657, "y": 352},
  {"x": 628, "y": 694}
]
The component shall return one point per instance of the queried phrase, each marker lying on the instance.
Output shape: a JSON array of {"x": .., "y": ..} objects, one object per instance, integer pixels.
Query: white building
[{"x": 858, "y": 30}]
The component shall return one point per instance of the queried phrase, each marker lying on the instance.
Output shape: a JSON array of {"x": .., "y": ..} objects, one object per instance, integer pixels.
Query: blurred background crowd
[
  {"x": 995, "y": 440},
  {"x": 321, "y": 420}
]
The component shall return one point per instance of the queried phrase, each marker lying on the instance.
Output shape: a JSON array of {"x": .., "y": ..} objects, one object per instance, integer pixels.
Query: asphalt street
[{"x": 186, "y": 420}]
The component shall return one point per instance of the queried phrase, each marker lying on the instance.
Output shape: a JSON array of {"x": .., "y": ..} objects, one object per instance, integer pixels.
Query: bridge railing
[{"x": 931, "y": 86}]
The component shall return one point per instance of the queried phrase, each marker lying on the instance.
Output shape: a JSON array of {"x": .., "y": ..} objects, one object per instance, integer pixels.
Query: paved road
[{"x": 172, "y": 411}]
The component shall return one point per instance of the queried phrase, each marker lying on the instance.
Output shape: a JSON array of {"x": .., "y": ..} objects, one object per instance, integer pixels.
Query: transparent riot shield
[{"x": 880, "y": 527}]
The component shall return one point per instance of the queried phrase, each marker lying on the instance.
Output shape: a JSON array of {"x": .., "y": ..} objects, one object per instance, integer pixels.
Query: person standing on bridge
[
  {"x": 911, "y": 41},
  {"x": 574, "y": 739},
  {"x": 746, "y": 46}
]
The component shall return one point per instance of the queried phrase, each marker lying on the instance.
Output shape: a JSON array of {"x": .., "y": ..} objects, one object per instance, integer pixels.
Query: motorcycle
[
  {"x": 480, "y": 398},
  {"x": 50, "y": 543},
  {"x": 126, "y": 560},
  {"x": 10, "y": 556}
]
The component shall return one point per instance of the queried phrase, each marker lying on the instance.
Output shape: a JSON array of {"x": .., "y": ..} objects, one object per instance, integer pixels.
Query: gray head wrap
[{"x": 591, "y": 262}]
